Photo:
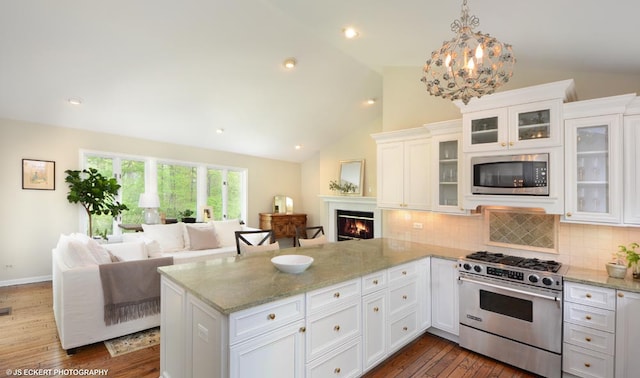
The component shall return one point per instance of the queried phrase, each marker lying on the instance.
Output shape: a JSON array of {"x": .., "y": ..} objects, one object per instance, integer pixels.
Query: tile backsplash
[{"x": 579, "y": 245}]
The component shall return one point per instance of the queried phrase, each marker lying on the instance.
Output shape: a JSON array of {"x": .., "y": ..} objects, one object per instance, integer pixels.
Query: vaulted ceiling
[{"x": 177, "y": 71}]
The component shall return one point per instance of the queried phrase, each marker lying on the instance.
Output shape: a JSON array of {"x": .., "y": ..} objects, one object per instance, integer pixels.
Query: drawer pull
[
  {"x": 586, "y": 364},
  {"x": 302, "y": 329},
  {"x": 588, "y": 295},
  {"x": 588, "y": 339},
  {"x": 404, "y": 297},
  {"x": 336, "y": 328},
  {"x": 336, "y": 295},
  {"x": 405, "y": 328},
  {"x": 336, "y": 370},
  {"x": 375, "y": 309},
  {"x": 588, "y": 317},
  {"x": 272, "y": 316},
  {"x": 375, "y": 282},
  {"x": 621, "y": 295}
]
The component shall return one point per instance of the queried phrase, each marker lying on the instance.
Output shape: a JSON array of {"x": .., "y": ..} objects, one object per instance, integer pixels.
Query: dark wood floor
[{"x": 29, "y": 340}]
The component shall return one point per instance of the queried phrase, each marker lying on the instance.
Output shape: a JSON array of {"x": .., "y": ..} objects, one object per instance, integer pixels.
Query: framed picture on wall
[{"x": 38, "y": 174}]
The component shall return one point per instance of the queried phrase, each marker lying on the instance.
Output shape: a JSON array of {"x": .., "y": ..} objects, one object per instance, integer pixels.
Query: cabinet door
[
  {"x": 534, "y": 125},
  {"x": 632, "y": 169},
  {"x": 485, "y": 130},
  {"x": 416, "y": 174},
  {"x": 446, "y": 159},
  {"x": 172, "y": 338},
  {"x": 278, "y": 354},
  {"x": 205, "y": 345},
  {"x": 627, "y": 334},
  {"x": 424, "y": 294},
  {"x": 593, "y": 160},
  {"x": 390, "y": 174},
  {"x": 444, "y": 295},
  {"x": 374, "y": 317}
]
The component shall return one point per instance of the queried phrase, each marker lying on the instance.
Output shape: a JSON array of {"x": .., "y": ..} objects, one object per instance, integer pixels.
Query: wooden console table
[{"x": 283, "y": 225}]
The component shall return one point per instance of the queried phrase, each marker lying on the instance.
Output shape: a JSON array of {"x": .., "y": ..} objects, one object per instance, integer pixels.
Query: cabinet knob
[
  {"x": 503, "y": 144},
  {"x": 588, "y": 295},
  {"x": 336, "y": 328},
  {"x": 404, "y": 297},
  {"x": 620, "y": 295},
  {"x": 302, "y": 329},
  {"x": 375, "y": 282},
  {"x": 569, "y": 214},
  {"x": 336, "y": 295},
  {"x": 376, "y": 309},
  {"x": 586, "y": 364},
  {"x": 511, "y": 144},
  {"x": 272, "y": 316},
  {"x": 588, "y": 339},
  {"x": 588, "y": 317},
  {"x": 405, "y": 328},
  {"x": 404, "y": 272},
  {"x": 336, "y": 370}
]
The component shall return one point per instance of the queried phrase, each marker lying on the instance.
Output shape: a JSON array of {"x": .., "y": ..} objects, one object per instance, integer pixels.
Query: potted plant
[
  {"x": 97, "y": 194},
  {"x": 187, "y": 216},
  {"x": 344, "y": 188},
  {"x": 632, "y": 258},
  {"x": 618, "y": 267}
]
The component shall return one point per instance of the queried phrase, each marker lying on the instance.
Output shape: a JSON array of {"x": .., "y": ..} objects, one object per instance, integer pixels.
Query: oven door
[{"x": 533, "y": 318}]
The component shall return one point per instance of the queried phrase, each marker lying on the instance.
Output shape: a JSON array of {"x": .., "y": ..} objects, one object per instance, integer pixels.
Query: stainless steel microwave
[{"x": 510, "y": 174}]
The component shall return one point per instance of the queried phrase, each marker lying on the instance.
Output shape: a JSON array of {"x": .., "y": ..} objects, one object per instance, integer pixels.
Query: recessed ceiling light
[
  {"x": 350, "y": 32},
  {"x": 290, "y": 63},
  {"x": 298, "y": 147},
  {"x": 219, "y": 131},
  {"x": 74, "y": 101},
  {"x": 371, "y": 101}
]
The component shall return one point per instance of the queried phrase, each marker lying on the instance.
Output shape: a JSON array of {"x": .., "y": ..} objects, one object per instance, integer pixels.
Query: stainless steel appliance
[
  {"x": 511, "y": 310},
  {"x": 510, "y": 174}
]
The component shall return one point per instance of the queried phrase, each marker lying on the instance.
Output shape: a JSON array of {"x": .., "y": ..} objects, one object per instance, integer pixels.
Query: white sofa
[{"x": 78, "y": 301}]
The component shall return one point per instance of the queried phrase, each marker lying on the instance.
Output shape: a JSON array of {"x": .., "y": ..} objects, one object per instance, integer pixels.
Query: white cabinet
[
  {"x": 627, "y": 363},
  {"x": 446, "y": 158},
  {"x": 589, "y": 330},
  {"x": 593, "y": 175},
  {"x": 529, "y": 125},
  {"x": 172, "y": 338},
  {"x": 632, "y": 169},
  {"x": 444, "y": 295},
  {"x": 205, "y": 329},
  {"x": 403, "y": 169},
  {"x": 374, "y": 319}
]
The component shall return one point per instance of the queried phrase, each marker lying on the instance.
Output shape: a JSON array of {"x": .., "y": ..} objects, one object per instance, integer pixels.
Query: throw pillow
[
  {"x": 187, "y": 239},
  {"x": 202, "y": 237},
  {"x": 128, "y": 251},
  {"x": 77, "y": 255},
  {"x": 99, "y": 254},
  {"x": 322, "y": 239},
  {"x": 226, "y": 231},
  {"x": 169, "y": 236},
  {"x": 245, "y": 248}
]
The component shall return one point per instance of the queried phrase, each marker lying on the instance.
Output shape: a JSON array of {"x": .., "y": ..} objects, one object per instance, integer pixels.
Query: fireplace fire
[{"x": 354, "y": 225}]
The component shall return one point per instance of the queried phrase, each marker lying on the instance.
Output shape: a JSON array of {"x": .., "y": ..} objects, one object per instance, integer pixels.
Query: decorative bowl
[
  {"x": 616, "y": 271},
  {"x": 292, "y": 263}
]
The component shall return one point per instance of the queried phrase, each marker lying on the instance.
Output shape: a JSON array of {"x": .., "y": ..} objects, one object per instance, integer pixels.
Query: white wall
[{"x": 34, "y": 219}]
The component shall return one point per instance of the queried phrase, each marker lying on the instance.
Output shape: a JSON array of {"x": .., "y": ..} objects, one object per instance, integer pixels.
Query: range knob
[
  {"x": 547, "y": 281},
  {"x": 477, "y": 268},
  {"x": 533, "y": 278},
  {"x": 466, "y": 266}
]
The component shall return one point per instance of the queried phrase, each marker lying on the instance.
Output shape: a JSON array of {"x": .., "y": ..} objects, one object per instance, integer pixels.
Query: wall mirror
[
  {"x": 352, "y": 176},
  {"x": 282, "y": 205}
]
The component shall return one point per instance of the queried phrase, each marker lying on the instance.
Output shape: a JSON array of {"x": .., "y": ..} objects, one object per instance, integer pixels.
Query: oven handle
[{"x": 555, "y": 299}]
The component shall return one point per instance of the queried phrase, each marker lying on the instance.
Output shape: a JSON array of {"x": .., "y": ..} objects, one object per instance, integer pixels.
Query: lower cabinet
[
  {"x": 444, "y": 295},
  {"x": 627, "y": 362}
]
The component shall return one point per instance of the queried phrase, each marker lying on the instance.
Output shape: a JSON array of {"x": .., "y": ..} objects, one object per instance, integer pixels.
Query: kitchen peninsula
[{"x": 241, "y": 317}]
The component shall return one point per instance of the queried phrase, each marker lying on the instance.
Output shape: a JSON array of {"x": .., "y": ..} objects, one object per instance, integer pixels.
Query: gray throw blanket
[{"x": 131, "y": 289}]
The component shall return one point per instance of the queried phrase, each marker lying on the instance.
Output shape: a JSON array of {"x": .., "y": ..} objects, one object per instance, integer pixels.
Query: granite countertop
[
  {"x": 231, "y": 284},
  {"x": 601, "y": 278}
]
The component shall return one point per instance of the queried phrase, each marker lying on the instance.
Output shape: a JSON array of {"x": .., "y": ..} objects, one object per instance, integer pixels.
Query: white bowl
[{"x": 292, "y": 263}]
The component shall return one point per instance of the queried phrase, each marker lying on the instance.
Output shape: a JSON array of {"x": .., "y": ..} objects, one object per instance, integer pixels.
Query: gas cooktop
[{"x": 520, "y": 262}]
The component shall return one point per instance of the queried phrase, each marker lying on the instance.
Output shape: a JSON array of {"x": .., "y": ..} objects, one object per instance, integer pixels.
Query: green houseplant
[
  {"x": 187, "y": 216},
  {"x": 96, "y": 193},
  {"x": 632, "y": 257}
]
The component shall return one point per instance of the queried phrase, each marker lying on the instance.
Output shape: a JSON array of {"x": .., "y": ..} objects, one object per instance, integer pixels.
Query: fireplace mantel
[{"x": 334, "y": 203}]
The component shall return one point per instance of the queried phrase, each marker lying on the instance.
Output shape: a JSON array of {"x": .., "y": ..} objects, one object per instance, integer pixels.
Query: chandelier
[{"x": 470, "y": 65}]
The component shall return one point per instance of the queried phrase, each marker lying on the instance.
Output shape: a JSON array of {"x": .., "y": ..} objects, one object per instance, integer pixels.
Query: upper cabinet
[
  {"x": 446, "y": 159},
  {"x": 403, "y": 169},
  {"x": 631, "y": 179},
  {"x": 519, "y": 119}
]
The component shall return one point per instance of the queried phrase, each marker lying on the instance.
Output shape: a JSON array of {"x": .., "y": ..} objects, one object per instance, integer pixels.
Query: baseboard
[
  {"x": 22, "y": 281},
  {"x": 444, "y": 334}
]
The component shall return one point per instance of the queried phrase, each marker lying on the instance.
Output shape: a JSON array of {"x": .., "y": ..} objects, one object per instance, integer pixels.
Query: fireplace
[{"x": 354, "y": 225}]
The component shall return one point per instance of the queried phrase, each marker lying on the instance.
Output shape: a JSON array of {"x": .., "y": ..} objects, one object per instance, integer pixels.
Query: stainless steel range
[{"x": 511, "y": 310}]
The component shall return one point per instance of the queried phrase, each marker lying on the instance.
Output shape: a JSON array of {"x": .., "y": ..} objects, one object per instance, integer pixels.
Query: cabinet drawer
[
  {"x": 402, "y": 297},
  {"x": 402, "y": 330},
  {"x": 589, "y": 338},
  {"x": 586, "y": 363},
  {"x": 590, "y": 295},
  {"x": 402, "y": 272},
  {"x": 326, "y": 331},
  {"x": 260, "y": 319},
  {"x": 591, "y": 317},
  {"x": 328, "y": 298},
  {"x": 343, "y": 362},
  {"x": 374, "y": 282}
]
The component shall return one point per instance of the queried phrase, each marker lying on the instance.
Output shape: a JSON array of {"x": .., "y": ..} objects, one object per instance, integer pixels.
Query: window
[{"x": 180, "y": 186}]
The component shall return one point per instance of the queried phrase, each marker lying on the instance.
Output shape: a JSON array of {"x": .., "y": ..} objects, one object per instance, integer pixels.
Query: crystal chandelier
[{"x": 470, "y": 65}]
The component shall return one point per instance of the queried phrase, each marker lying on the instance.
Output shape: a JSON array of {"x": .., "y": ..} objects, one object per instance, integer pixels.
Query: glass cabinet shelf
[{"x": 448, "y": 173}]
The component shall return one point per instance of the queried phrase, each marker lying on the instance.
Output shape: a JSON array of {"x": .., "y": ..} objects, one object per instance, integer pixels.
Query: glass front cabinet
[
  {"x": 593, "y": 158},
  {"x": 529, "y": 125},
  {"x": 446, "y": 159}
]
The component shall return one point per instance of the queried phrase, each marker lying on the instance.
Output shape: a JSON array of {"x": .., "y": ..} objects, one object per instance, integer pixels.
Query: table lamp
[{"x": 150, "y": 202}]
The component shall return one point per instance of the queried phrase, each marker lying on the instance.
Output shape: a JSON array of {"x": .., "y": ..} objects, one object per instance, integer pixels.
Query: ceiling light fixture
[
  {"x": 470, "y": 65},
  {"x": 298, "y": 147},
  {"x": 290, "y": 63},
  {"x": 219, "y": 131},
  {"x": 371, "y": 101},
  {"x": 74, "y": 101},
  {"x": 350, "y": 33}
]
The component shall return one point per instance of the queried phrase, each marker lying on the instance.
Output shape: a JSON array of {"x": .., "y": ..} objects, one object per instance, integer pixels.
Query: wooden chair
[
  {"x": 254, "y": 238},
  {"x": 308, "y": 233}
]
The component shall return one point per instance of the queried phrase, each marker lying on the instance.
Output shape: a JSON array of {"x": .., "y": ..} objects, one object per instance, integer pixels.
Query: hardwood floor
[{"x": 29, "y": 340}]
